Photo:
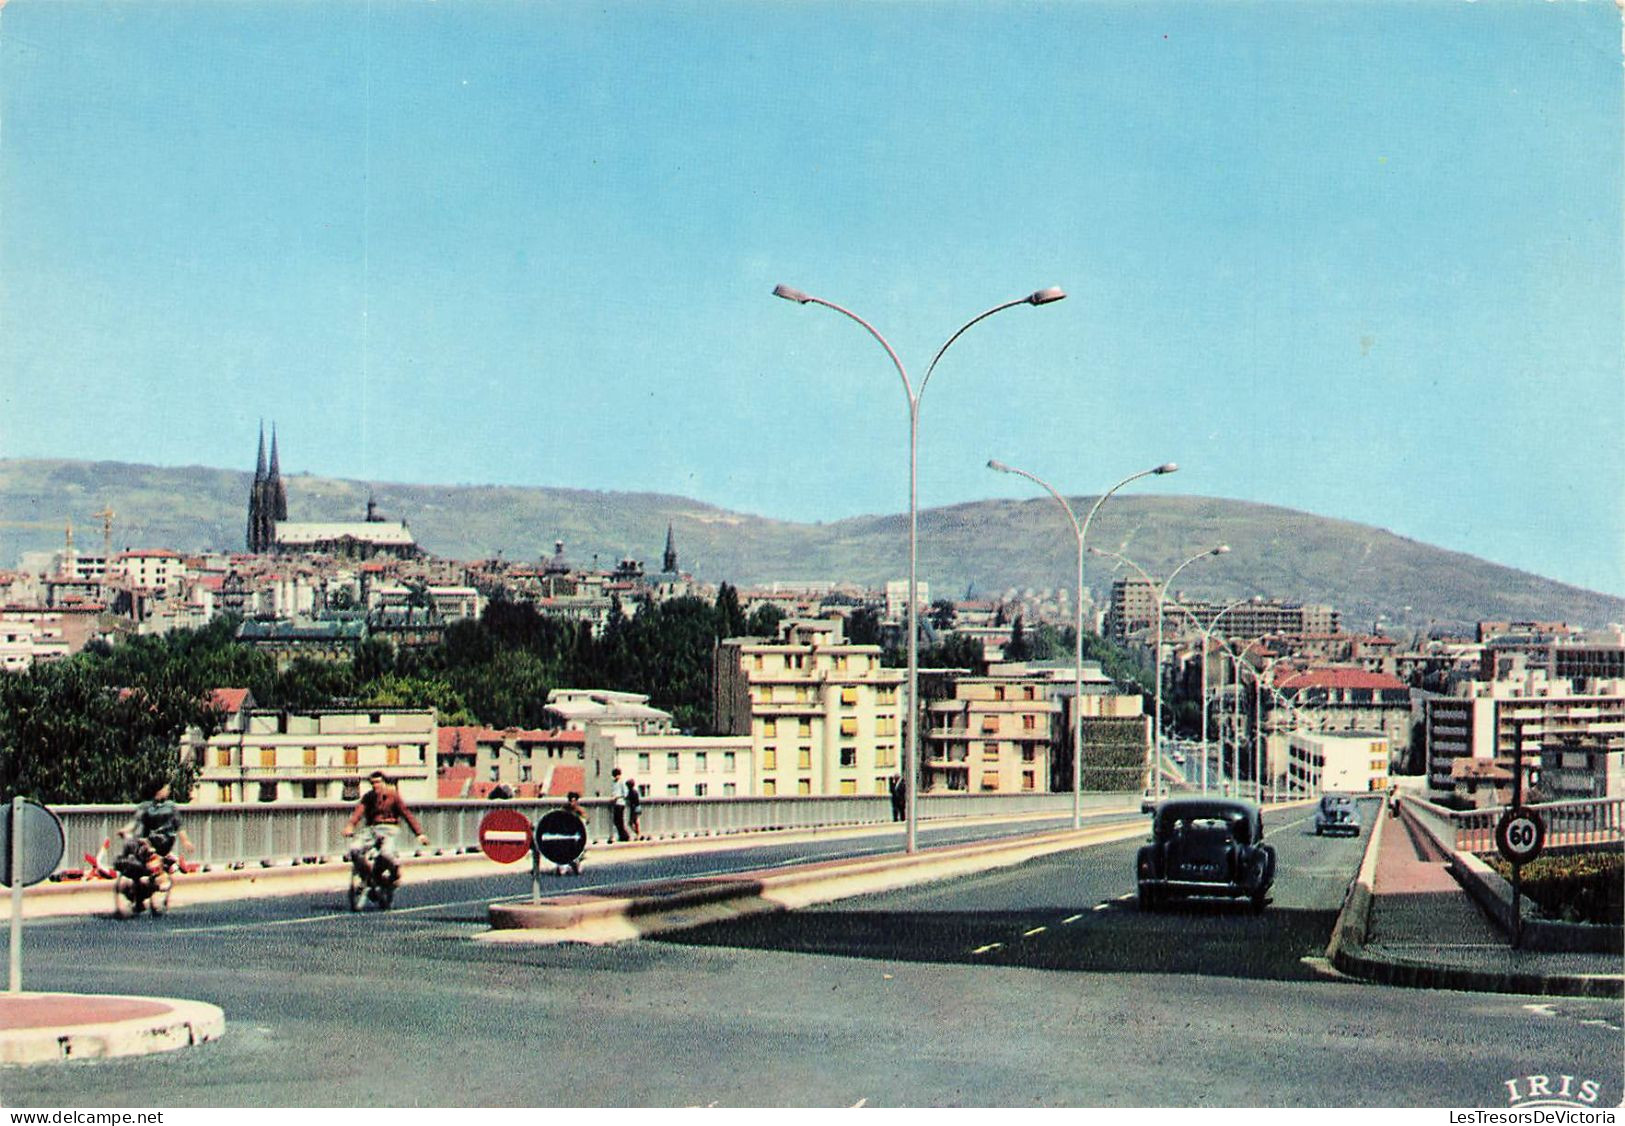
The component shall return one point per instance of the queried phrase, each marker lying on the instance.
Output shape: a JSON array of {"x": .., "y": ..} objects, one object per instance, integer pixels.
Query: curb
[
  {"x": 179, "y": 1024},
  {"x": 1348, "y": 953},
  {"x": 648, "y": 909}
]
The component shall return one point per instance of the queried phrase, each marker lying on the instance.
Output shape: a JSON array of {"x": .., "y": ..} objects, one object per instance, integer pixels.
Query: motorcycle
[
  {"x": 143, "y": 880},
  {"x": 372, "y": 879}
]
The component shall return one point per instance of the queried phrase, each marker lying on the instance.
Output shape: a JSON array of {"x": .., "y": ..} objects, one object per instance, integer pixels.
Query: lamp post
[
  {"x": 1080, "y": 530},
  {"x": 911, "y": 767},
  {"x": 1162, "y": 589},
  {"x": 1207, "y": 643}
]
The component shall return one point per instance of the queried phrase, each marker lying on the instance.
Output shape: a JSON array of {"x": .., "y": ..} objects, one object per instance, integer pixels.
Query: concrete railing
[
  {"x": 249, "y": 834},
  {"x": 1569, "y": 824}
]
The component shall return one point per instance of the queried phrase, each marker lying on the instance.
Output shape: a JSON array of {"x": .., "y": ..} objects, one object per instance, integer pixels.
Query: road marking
[
  {"x": 1035, "y": 930},
  {"x": 1100, "y": 907},
  {"x": 1127, "y": 895},
  {"x": 1070, "y": 919},
  {"x": 989, "y": 946}
]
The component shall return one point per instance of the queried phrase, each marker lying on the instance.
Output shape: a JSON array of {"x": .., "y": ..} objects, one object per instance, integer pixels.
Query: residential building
[
  {"x": 1349, "y": 762},
  {"x": 1352, "y": 699},
  {"x": 823, "y": 716},
  {"x": 482, "y": 762},
  {"x": 287, "y": 757},
  {"x": 995, "y": 733}
]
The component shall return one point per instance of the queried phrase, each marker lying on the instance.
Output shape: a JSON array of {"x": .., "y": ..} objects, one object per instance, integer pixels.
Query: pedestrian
[
  {"x": 572, "y": 805},
  {"x": 617, "y": 805},
  {"x": 899, "y": 798},
  {"x": 634, "y": 809}
]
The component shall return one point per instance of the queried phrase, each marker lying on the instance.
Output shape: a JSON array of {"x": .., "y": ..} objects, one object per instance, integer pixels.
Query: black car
[
  {"x": 1337, "y": 814},
  {"x": 1206, "y": 846}
]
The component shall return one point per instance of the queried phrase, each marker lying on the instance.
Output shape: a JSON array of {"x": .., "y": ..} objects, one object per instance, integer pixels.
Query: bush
[{"x": 1584, "y": 887}]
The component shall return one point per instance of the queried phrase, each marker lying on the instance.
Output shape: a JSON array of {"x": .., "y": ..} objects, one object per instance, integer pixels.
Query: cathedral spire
[
  {"x": 276, "y": 469},
  {"x": 259, "y": 468},
  {"x": 669, "y": 564}
]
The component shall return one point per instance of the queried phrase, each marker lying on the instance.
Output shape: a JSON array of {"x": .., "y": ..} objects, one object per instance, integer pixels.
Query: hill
[{"x": 987, "y": 547}]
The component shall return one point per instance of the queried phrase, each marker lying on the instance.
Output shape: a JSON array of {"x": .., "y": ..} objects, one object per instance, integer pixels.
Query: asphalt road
[{"x": 1026, "y": 986}]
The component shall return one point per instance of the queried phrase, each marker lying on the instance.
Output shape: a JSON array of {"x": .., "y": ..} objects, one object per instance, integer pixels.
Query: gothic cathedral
[{"x": 267, "y": 501}]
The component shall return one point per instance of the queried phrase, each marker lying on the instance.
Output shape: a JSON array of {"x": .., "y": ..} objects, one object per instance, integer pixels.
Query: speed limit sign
[{"x": 1520, "y": 835}]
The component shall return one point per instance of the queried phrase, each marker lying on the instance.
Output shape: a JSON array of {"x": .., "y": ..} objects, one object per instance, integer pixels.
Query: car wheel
[
  {"x": 1259, "y": 900},
  {"x": 1147, "y": 898}
]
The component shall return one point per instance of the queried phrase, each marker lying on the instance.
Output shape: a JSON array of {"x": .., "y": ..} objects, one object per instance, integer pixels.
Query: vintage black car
[
  {"x": 1336, "y": 814},
  {"x": 1206, "y": 846}
]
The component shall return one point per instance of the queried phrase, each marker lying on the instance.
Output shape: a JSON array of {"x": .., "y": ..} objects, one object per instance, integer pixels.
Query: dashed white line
[
  {"x": 1100, "y": 907},
  {"x": 1035, "y": 930},
  {"x": 989, "y": 946},
  {"x": 1070, "y": 919}
]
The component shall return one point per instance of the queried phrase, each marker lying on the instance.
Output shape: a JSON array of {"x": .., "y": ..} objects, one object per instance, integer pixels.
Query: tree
[
  {"x": 943, "y": 615},
  {"x": 764, "y": 621},
  {"x": 731, "y": 619},
  {"x": 1018, "y": 649}
]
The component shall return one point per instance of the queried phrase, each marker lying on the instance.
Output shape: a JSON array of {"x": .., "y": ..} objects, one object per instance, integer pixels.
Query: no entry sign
[{"x": 505, "y": 835}]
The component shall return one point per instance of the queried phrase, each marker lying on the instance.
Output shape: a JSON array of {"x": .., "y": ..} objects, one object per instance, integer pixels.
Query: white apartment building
[
  {"x": 1571, "y": 732},
  {"x": 288, "y": 757},
  {"x": 823, "y": 716},
  {"x": 22, "y": 643},
  {"x": 153, "y": 569},
  {"x": 1350, "y": 762},
  {"x": 996, "y": 733}
]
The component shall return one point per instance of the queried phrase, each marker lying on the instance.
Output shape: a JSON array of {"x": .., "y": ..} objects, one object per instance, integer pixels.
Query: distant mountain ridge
[{"x": 986, "y": 547}]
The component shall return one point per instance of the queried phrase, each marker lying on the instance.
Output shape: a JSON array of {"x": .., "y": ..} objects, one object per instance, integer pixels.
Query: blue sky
[{"x": 1359, "y": 259}]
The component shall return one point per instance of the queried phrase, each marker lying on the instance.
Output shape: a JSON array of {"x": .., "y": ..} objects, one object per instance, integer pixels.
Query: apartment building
[
  {"x": 823, "y": 716},
  {"x": 1352, "y": 699},
  {"x": 1134, "y": 607},
  {"x": 286, "y": 757},
  {"x": 1571, "y": 733},
  {"x": 151, "y": 569},
  {"x": 1351, "y": 762},
  {"x": 995, "y": 733},
  {"x": 479, "y": 762}
]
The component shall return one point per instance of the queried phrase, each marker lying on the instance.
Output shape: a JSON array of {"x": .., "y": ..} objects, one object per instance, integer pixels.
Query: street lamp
[
  {"x": 912, "y": 743},
  {"x": 1207, "y": 643},
  {"x": 1161, "y": 589},
  {"x": 1080, "y": 531}
]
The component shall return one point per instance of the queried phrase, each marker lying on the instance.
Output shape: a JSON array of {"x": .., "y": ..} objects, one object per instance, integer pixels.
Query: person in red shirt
[{"x": 383, "y": 809}]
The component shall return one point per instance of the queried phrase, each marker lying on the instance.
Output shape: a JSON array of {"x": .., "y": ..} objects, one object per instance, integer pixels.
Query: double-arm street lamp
[
  {"x": 911, "y": 765},
  {"x": 1160, "y": 589},
  {"x": 1080, "y": 530}
]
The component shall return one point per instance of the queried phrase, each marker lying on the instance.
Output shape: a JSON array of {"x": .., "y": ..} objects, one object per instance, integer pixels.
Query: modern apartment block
[
  {"x": 1350, "y": 762},
  {"x": 823, "y": 716},
  {"x": 1134, "y": 608},
  {"x": 274, "y": 756},
  {"x": 1571, "y": 732},
  {"x": 997, "y": 733}
]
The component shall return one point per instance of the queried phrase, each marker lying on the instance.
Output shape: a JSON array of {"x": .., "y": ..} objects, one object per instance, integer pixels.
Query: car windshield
[{"x": 1204, "y": 815}]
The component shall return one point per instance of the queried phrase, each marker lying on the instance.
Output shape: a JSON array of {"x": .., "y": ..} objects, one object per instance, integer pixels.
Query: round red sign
[{"x": 505, "y": 835}]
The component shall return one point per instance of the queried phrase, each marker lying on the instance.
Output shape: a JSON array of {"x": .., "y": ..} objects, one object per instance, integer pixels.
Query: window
[
  {"x": 849, "y": 728},
  {"x": 524, "y": 772},
  {"x": 311, "y": 790},
  {"x": 729, "y": 790},
  {"x": 671, "y": 790},
  {"x": 881, "y": 786},
  {"x": 849, "y": 696},
  {"x": 758, "y": 661},
  {"x": 803, "y": 786},
  {"x": 1029, "y": 723},
  {"x": 225, "y": 793},
  {"x": 392, "y": 755},
  {"x": 804, "y": 728},
  {"x": 1029, "y": 693},
  {"x": 885, "y": 756},
  {"x": 770, "y": 788},
  {"x": 990, "y": 780},
  {"x": 701, "y": 763},
  {"x": 770, "y": 728},
  {"x": 849, "y": 756},
  {"x": 267, "y": 759},
  {"x": 495, "y": 776},
  {"x": 729, "y": 762},
  {"x": 990, "y": 724},
  {"x": 1029, "y": 754},
  {"x": 673, "y": 764},
  {"x": 699, "y": 789},
  {"x": 1028, "y": 780},
  {"x": 310, "y": 756},
  {"x": 804, "y": 758},
  {"x": 770, "y": 759},
  {"x": 352, "y": 756},
  {"x": 222, "y": 756},
  {"x": 643, "y": 763},
  {"x": 849, "y": 785},
  {"x": 267, "y": 791}
]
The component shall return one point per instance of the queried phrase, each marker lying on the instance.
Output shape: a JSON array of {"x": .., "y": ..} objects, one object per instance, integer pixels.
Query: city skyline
[{"x": 1356, "y": 260}]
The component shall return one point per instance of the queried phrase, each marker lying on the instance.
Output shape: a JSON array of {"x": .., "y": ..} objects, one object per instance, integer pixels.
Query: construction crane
[{"x": 106, "y": 516}]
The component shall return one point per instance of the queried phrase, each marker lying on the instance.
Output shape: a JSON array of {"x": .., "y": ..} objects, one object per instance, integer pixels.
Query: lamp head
[
  {"x": 1222, "y": 549},
  {"x": 998, "y": 466},
  {"x": 790, "y": 294},
  {"x": 1166, "y": 467},
  {"x": 1046, "y": 296}
]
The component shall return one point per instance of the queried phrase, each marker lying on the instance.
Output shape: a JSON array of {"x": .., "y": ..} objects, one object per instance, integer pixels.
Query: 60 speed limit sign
[{"x": 1519, "y": 835}]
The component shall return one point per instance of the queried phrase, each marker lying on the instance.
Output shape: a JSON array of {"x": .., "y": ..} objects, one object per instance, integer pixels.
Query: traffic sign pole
[{"x": 15, "y": 873}]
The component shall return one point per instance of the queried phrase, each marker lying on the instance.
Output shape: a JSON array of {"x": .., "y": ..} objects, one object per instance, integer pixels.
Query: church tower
[
  {"x": 267, "y": 499},
  {"x": 669, "y": 564}
]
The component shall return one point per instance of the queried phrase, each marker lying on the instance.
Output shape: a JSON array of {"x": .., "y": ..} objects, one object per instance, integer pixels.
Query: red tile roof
[
  {"x": 228, "y": 700},
  {"x": 454, "y": 781},
  {"x": 1341, "y": 678},
  {"x": 566, "y": 779}
]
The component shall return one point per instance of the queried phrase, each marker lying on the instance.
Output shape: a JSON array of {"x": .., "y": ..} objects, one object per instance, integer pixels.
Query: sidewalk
[
  {"x": 49, "y": 1027},
  {"x": 1423, "y": 929}
]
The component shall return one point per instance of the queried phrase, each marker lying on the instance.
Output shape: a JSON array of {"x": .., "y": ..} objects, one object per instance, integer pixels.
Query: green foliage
[
  {"x": 958, "y": 652},
  {"x": 764, "y": 621},
  {"x": 1584, "y": 887}
]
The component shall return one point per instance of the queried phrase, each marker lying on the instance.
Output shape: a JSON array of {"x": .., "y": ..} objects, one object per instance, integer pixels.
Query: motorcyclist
[
  {"x": 157, "y": 822},
  {"x": 383, "y": 809}
]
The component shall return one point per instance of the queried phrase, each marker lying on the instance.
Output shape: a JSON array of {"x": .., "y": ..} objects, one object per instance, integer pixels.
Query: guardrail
[
  {"x": 242, "y": 835},
  {"x": 1569, "y": 824}
]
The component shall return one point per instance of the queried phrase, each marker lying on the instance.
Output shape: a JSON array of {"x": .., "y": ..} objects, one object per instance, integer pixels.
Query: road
[{"x": 1026, "y": 986}]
